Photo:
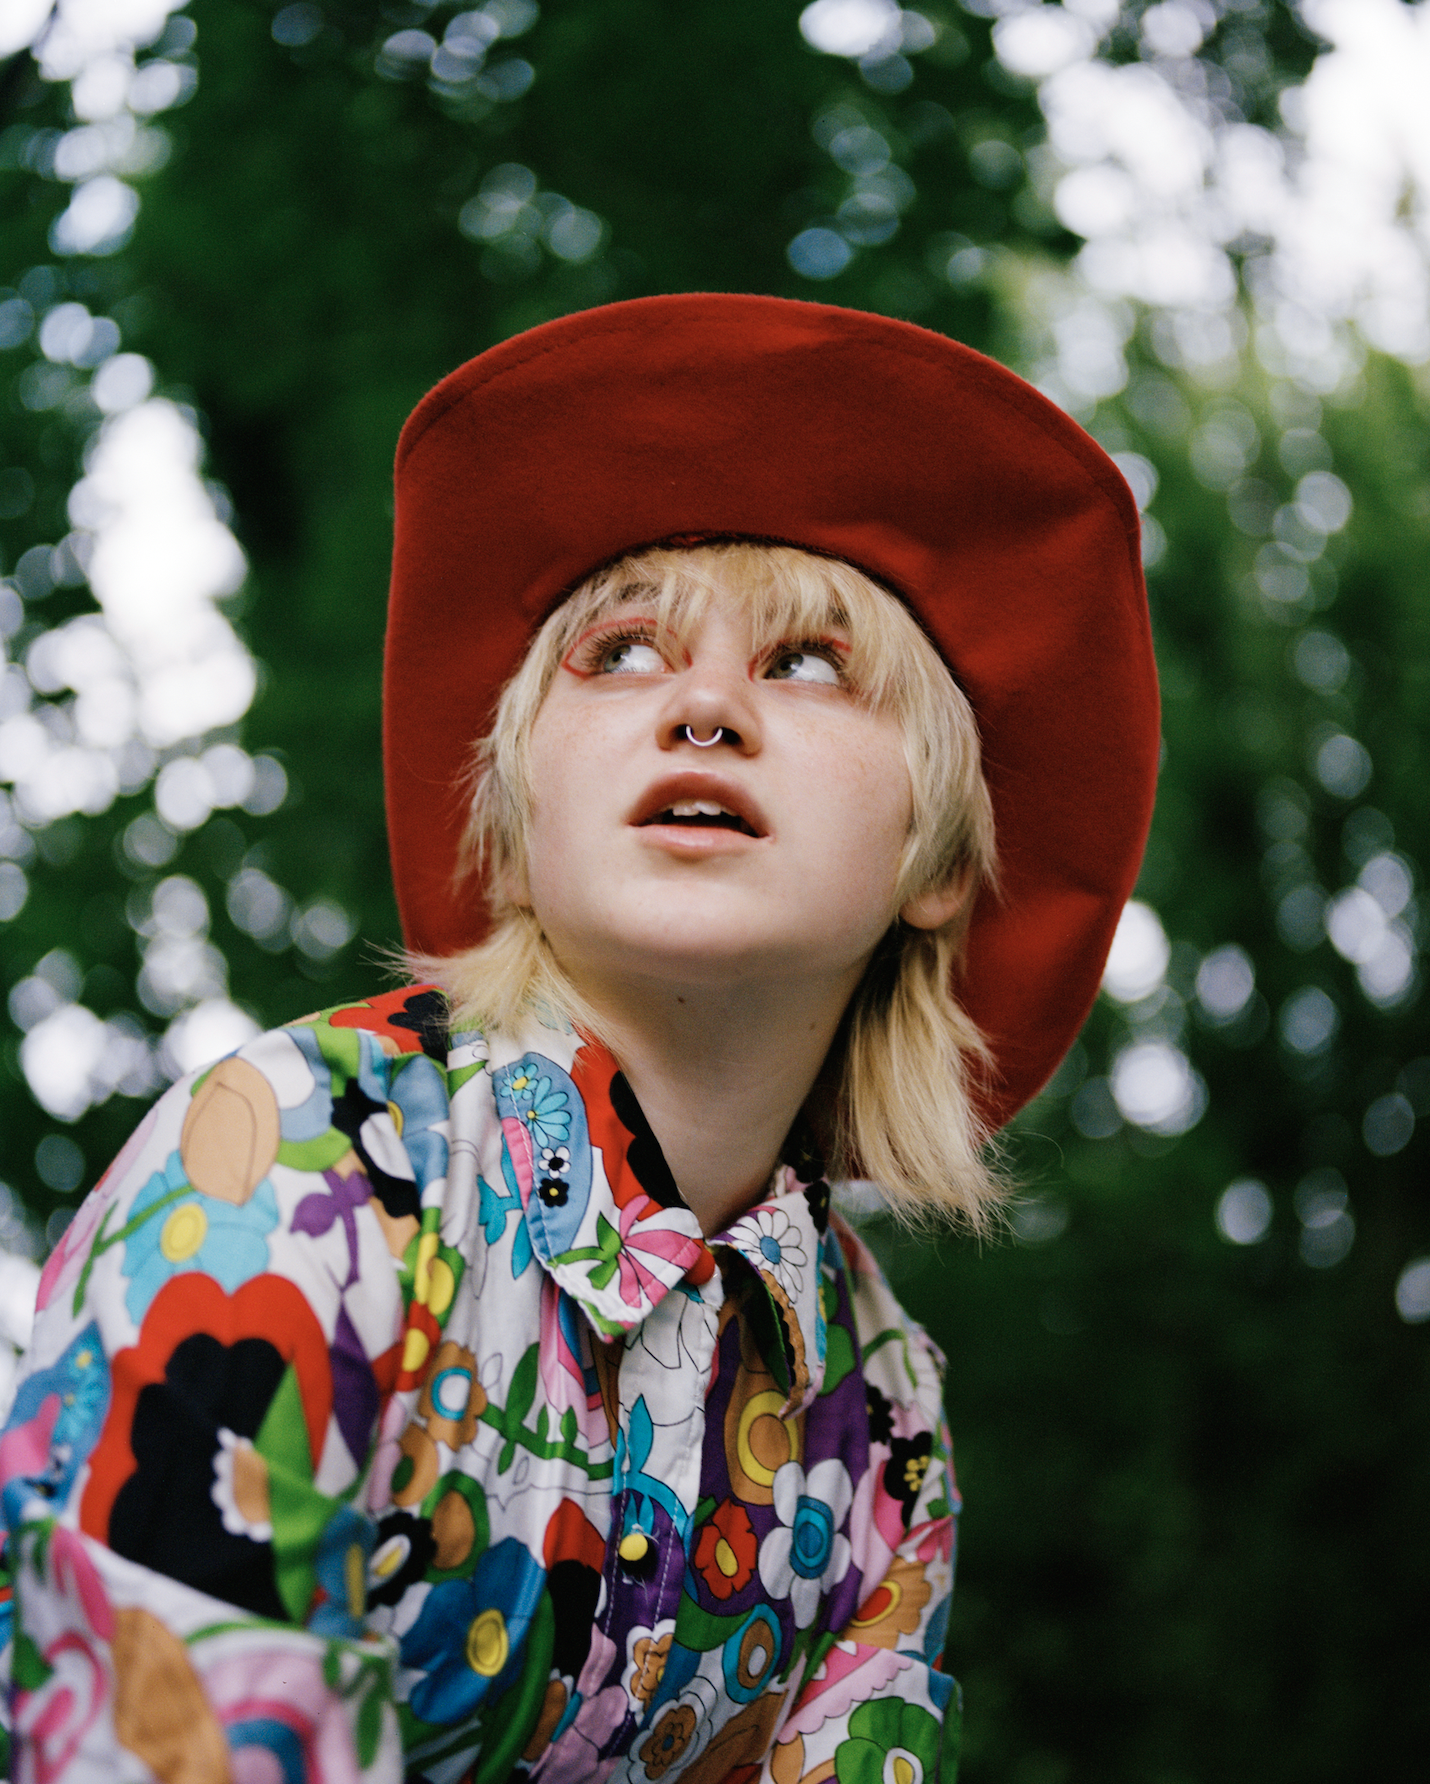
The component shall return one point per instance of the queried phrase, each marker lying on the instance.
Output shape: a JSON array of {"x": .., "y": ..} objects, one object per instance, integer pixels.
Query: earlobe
[{"x": 937, "y": 905}]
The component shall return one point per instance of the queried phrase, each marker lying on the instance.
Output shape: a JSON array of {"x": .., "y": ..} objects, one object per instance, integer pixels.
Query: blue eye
[
  {"x": 803, "y": 665},
  {"x": 631, "y": 656}
]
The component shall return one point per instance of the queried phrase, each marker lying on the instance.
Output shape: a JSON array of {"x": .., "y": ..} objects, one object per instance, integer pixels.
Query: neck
[{"x": 721, "y": 1076}]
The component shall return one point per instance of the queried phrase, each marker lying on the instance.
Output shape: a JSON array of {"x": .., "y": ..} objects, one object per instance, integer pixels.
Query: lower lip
[{"x": 679, "y": 839}]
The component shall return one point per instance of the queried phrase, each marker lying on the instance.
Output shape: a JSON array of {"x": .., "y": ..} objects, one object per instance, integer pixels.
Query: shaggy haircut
[{"x": 893, "y": 1104}]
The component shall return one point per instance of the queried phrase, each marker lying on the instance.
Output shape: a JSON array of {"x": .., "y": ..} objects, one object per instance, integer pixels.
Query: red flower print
[
  {"x": 404, "y": 1021},
  {"x": 727, "y": 1550}
]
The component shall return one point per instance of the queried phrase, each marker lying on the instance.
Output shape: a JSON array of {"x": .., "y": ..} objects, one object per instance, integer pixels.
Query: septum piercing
[{"x": 705, "y": 743}]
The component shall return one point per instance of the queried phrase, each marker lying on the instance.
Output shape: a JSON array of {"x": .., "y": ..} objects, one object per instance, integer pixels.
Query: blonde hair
[{"x": 899, "y": 1109}]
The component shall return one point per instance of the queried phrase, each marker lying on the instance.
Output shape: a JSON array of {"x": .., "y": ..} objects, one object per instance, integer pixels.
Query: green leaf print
[
  {"x": 299, "y": 1512},
  {"x": 889, "y": 1729},
  {"x": 28, "y": 1668}
]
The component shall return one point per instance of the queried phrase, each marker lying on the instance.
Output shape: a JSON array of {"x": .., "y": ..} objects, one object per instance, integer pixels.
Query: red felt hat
[{"x": 1007, "y": 530}]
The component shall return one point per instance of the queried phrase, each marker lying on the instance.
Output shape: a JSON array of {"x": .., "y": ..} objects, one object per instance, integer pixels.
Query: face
[{"x": 771, "y": 854}]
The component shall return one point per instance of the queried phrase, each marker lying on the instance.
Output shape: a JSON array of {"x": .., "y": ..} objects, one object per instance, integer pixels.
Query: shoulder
[
  {"x": 312, "y": 1139},
  {"x": 304, "y": 1095}
]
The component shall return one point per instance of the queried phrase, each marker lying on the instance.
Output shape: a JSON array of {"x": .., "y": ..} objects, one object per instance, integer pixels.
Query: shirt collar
[{"x": 608, "y": 1224}]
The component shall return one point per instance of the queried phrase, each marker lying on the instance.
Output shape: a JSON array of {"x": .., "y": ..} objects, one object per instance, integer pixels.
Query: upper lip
[{"x": 695, "y": 784}]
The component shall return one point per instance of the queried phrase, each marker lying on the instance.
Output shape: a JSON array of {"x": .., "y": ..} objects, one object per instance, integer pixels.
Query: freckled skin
[{"x": 808, "y": 899}]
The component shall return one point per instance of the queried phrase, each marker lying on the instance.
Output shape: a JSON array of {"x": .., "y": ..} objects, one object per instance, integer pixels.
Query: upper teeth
[{"x": 698, "y": 808}]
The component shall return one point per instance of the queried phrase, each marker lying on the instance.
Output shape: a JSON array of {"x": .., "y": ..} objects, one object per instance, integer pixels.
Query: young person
[{"x": 472, "y": 1381}]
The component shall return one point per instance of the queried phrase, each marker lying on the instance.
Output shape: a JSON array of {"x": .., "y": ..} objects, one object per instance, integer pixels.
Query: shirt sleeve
[
  {"x": 879, "y": 1691},
  {"x": 184, "y": 1471}
]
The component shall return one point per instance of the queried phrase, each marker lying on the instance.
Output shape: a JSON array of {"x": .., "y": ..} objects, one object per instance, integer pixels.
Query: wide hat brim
[{"x": 1009, "y": 532}]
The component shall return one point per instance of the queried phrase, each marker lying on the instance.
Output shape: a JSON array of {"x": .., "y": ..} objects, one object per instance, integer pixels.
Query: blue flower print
[
  {"x": 494, "y": 1210},
  {"x": 54, "y": 1424},
  {"x": 170, "y": 1232},
  {"x": 471, "y": 1635},
  {"x": 418, "y": 1104},
  {"x": 341, "y": 1566},
  {"x": 534, "y": 1096},
  {"x": 536, "y": 1093}
]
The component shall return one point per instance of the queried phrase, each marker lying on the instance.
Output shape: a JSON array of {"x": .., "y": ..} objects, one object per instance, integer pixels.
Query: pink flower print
[
  {"x": 67, "y": 1259},
  {"x": 849, "y": 1673},
  {"x": 573, "y": 1759},
  {"x": 76, "y": 1578},
  {"x": 25, "y": 1449},
  {"x": 874, "y": 1547},
  {"x": 276, "y": 1706},
  {"x": 677, "y": 1250},
  {"x": 386, "y": 1456},
  {"x": 54, "y": 1720}
]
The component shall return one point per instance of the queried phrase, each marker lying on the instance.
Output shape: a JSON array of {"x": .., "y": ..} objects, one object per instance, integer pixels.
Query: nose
[{"x": 711, "y": 705}]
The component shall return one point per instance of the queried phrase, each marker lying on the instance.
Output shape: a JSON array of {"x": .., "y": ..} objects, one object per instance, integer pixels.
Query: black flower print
[
  {"x": 398, "y": 1195},
  {"x": 554, "y": 1187},
  {"x": 425, "y": 1015},
  {"x": 401, "y": 1555},
  {"x": 802, "y": 1153},
  {"x": 644, "y": 1155},
  {"x": 816, "y": 1196},
  {"x": 166, "y": 1515},
  {"x": 881, "y": 1415},
  {"x": 905, "y": 1470}
]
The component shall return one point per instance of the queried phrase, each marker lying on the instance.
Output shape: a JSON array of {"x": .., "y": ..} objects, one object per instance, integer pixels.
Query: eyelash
[
  {"x": 587, "y": 654},
  {"x": 813, "y": 647}
]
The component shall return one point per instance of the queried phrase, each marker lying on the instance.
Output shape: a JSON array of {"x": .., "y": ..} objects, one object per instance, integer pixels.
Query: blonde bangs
[{"x": 790, "y": 596}]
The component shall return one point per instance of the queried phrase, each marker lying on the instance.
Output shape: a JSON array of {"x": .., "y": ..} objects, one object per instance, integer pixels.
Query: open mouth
[
  {"x": 702, "y": 814},
  {"x": 698, "y": 800}
]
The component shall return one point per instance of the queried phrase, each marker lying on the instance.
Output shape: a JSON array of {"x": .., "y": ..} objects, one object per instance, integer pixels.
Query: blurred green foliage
[{"x": 1195, "y": 1470}]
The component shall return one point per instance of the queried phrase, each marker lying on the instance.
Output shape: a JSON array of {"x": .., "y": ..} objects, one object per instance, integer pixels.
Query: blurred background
[{"x": 237, "y": 243}]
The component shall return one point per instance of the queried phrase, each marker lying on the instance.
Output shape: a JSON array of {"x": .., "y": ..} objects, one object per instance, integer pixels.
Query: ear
[{"x": 937, "y": 905}]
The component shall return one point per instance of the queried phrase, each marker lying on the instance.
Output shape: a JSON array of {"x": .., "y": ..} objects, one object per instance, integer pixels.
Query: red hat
[{"x": 1009, "y": 533}]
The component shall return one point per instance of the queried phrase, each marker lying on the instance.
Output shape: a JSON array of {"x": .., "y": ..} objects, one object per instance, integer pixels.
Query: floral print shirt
[{"x": 388, "y": 1414}]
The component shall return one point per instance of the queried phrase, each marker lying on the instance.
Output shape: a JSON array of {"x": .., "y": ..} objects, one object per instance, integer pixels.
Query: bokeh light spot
[
  {"x": 1243, "y": 1211},
  {"x": 1388, "y": 1125}
]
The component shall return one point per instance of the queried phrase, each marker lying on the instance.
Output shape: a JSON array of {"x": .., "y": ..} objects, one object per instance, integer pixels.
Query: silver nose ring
[{"x": 706, "y": 743}]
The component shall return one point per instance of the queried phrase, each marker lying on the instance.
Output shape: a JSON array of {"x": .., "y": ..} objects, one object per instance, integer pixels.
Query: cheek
[
  {"x": 873, "y": 798},
  {"x": 554, "y": 765}
]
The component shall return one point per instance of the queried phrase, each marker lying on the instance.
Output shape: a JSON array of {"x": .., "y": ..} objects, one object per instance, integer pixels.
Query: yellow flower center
[
  {"x": 725, "y": 1559},
  {"x": 442, "y": 1286},
  {"x": 903, "y": 1770},
  {"x": 488, "y": 1644},
  {"x": 415, "y": 1347},
  {"x": 355, "y": 1579},
  {"x": 422, "y": 1269},
  {"x": 390, "y": 1557},
  {"x": 184, "y": 1232}
]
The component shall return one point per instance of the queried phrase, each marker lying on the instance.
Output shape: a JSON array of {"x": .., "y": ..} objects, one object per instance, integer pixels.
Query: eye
[
  {"x": 628, "y": 656},
  {"x": 804, "y": 664}
]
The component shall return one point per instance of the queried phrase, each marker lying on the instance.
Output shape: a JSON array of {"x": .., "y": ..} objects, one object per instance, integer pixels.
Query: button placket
[{"x": 663, "y": 1376}]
